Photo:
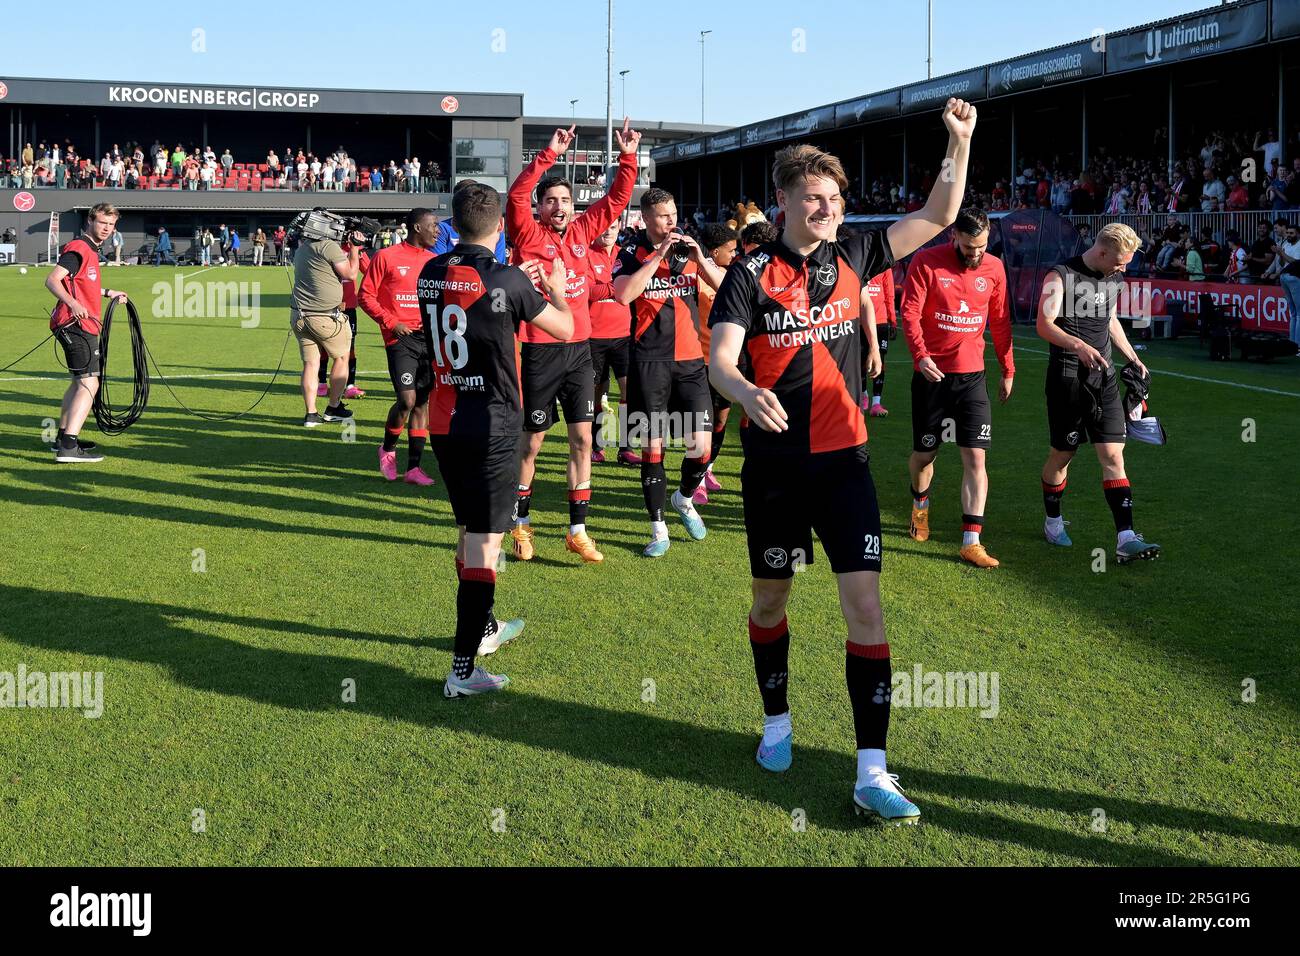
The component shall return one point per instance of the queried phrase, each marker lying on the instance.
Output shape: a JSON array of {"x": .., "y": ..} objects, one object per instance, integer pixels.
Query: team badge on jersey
[
  {"x": 579, "y": 250},
  {"x": 981, "y": 284},
  {"x": 454, "y": 261},
  {"x": 403, "y": 270},
  {"x": 827, "y": 274}
]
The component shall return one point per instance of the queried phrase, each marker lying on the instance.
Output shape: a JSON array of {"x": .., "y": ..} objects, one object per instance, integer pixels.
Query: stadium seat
[{"x": 262, "y": 168}]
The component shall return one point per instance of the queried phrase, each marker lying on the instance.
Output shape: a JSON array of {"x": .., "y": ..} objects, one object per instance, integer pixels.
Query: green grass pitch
[{"x": 627, "y": 735}]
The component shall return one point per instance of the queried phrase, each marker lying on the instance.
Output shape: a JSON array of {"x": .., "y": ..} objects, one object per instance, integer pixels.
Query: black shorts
[
  {"x": 80, "y": 350},
  {"x": 788, "y": 497},
  {"x": 719, "y": 400},
  {"x": 610, "y": 355},
  {"x": 557, "y": 372},
  {"x": 960, "y": 398},
  {"x": 1071, "y": 418},
  {"x": 669, "y": 399},
  {"x": 481, "y": 474},
  {"x": 409, "y": 366}
]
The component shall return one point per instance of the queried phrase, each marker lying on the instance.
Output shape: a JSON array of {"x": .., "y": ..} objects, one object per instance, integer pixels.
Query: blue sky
[{"x": 554, "y": 52}]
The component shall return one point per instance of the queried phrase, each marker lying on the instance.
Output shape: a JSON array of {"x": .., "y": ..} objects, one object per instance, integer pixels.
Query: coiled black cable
[{"x": 110, "y": 420}]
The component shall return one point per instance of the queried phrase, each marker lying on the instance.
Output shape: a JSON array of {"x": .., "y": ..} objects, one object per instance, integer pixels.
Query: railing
[{"x": 1244, "y": 222}]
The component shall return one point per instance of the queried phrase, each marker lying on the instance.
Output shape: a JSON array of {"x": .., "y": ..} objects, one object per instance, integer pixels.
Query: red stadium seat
[{"x": 262, "y": 167}]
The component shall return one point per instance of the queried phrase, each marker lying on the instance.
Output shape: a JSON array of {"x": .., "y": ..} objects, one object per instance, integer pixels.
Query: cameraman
[{"x": 315, "y": 313}]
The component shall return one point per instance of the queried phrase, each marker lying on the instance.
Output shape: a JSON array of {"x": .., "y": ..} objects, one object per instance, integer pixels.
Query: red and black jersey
[
  {"x": 350, "y": 287},
  {"x": 947, "y": 306},
  {"x": 81, "y": 259},
  {"x": 665, "y": 317},
  {"x": 609, "y": 319},
  {"x": 388, "y": 291},
  {"x": 531, "y": 239},
  {"x": 471, "y": 308},
  {"x": 801, "y": 319}
]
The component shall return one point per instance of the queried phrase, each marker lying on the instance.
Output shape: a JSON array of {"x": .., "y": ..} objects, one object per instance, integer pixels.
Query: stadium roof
[
  {"x": 1201, "y": 33},
  {"x": 304, "y": 100}
]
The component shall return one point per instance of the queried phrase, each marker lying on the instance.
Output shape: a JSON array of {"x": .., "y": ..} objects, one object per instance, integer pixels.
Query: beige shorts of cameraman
[{"x": 318, "y": 332}]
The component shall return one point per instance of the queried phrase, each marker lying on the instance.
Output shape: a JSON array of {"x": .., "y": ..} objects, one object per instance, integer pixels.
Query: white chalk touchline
[{"x": 1194, "y": 378}]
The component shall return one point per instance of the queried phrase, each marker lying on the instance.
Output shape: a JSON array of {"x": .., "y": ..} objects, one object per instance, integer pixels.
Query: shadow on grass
[{"x": 663, "y": 749}]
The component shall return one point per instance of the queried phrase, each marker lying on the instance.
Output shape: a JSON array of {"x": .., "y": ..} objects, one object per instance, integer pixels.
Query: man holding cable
[
  {"x": 315, "y": 312},
  {"x": 74, "y": 282}
]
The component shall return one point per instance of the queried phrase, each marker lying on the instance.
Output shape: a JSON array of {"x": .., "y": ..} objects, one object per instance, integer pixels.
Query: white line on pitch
[
  {"x": 175, "y": 378},
  {"x": 1194, "y": 378}
]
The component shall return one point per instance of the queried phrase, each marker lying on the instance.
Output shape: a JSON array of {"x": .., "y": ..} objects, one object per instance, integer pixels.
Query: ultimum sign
[{"x": 1258, "y": 306}]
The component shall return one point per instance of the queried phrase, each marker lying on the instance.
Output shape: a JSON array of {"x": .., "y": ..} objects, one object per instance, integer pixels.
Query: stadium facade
[
  {"x": 480, "y": 135},
  {"x": 1229, "y": 66}
]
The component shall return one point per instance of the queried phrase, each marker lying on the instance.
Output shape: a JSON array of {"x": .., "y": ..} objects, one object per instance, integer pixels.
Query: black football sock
[
  {"x": 1119, "y": 495},
  {"x": 693, "y": 470},
  {"x": 1052, "y": 495},
  {"x": 391, "y": 435},
  {"x": 474, "y": 599},
  {"x": 771, "y": 647},
  {"x": 652, "y": 484},
  {"x": 579, "y": 502},
  {"x": 415, "y": 440},
  {"x": 972, "y": 524},
  {"x": 866, "y": 670},
  {"x": 523, "y": 501},
  {"x": 719, "y": 434},
  {"x": 878, "y": 384},
  {"x": 921, "y": 499}
]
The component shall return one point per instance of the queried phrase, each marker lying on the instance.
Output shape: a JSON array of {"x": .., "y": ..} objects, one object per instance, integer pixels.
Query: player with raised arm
[
  {"x": 552, "y": 369},
  {"x": 1077, "y": 317},
  {"x": 952, "y": 293},
  {"x": 659, "y": 277},
  {"x": 471, "y": 308},
  {"x": 793, "y": 308}
]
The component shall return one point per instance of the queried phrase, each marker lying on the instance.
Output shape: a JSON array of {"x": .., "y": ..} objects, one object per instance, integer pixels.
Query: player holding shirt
[
  {"x": 388, "y": 295},
  {"x": 793, "y": 307},
  {"x": 880, "y": 290},
  {"x": 562, "y": 370},
  {"x": 74, "y": 282},
  {"x": 951, "y": 294},
  {"x": 659, "y": 277},
  {"x": 472, "y": 308},
  {"x": 611, "y": 335},
  {"x": 722, "y": 244},
  {"x": 1077, "y": 318}
]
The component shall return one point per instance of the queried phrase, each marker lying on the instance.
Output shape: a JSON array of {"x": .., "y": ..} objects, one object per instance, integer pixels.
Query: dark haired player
[
  {"x": 951, "y": 294},
  {"x": 611, "y": 336},
  {"x": 659, "y": 277},
  {"x": 388, "y": 295},
  {"x": 721, "y": 243},
  {"x": 74, "y": 282},
  {"x": 756, "y": 234},
  {"x": 1077, "y": 318},
  {"x": 793, "y": 307},
  {"x": 471, "y": 308},
  {"x": 552, "y": 369}
]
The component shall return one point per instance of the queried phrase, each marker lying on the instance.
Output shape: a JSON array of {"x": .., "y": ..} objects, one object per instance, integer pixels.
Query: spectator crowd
[{"x": 61, "y": 166}]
